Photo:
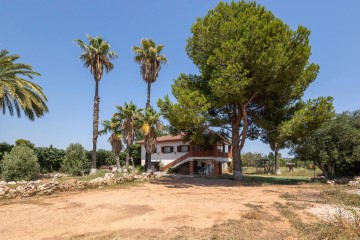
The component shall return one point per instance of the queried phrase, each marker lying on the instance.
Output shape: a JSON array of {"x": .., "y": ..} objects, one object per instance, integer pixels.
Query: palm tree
[
  {"x": 150, "y": 60},
  {"x": 96, "y": 56},
  {"x": 150, "y": 123},
  {"x": 17, "y": 93},
  {"x": 129, "y": 114},
  {"x": 113, "y": 127}
]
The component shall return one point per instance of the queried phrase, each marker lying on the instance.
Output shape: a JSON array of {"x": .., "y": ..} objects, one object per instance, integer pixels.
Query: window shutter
[
  {"x": 178, "y": 149},
  {"x": 171, "y": 149},
  {"x": 162, "y": 149}
]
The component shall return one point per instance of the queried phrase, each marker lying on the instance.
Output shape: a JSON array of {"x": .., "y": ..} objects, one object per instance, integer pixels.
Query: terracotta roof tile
[{"x": 167, "y": 138}]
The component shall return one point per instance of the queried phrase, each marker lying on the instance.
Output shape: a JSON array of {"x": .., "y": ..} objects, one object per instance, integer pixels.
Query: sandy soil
[{"x": 161, "y": 206}]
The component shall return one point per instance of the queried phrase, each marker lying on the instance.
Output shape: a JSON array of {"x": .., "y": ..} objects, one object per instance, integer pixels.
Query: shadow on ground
[{"x": 184, "y": 181}]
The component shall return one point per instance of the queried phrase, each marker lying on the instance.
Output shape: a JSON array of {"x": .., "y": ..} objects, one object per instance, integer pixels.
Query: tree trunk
[
  {"x": 133, "y": 165},
  {"x": 146, "y": 162},
  {"x": 127, "y": 157},
  {"x": 235, "y": 141},
  {"x": 277, "y": 164},
  {"x": 149, "y": 161},
  {"x": 148, "y": 95},
  {"x": 118, "y": 167},
  {"x": 95, "y": 126}
]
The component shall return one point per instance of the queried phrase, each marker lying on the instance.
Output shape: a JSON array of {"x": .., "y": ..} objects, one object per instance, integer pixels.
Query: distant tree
[
  {"x": 335, "y": 147},
  {"x": 150, "y": 123},
  {"x": 25, "y": 142},
  {"x": 249, "y": 158},
  {"x": 50, "y": 158},
  {"x": 16, "y": 92},
  {"x": 96, "y": 56},
  {"x": 105, "y": 157},
  {"x": 279, "y": 123},
  {"x": 246, "y": 58},
  {"x": 4, "y": 148},
  {"x": 75, "y": 161},
  {"x": 113, "y": 126},
  {"x": 129, "y": 114}
]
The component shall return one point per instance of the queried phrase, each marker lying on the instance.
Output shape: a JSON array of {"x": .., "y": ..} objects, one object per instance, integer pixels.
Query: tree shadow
[{"x": 183, "y": 181}]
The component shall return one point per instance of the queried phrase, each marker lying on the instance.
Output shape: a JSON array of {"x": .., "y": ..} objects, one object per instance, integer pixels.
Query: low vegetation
[{"x": 20, "y": 164}]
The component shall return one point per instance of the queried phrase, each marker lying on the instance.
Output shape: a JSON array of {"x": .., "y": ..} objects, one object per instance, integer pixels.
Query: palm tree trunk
[
  {"x": 148, "y": 95},
  {"x": 118, "y": 167},
  {"x": 127, "y": 157},
  {"x": 95, "y": 126}
]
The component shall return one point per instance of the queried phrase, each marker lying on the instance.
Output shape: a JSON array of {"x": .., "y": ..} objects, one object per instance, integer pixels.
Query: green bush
[
  {"x": 20, "y": 164},
  {"x": 4, "y": 148},
  {"x": 75, "y": 161},
  {"x": 103, "y": 157},
  {"x": 50, "y": 159}
]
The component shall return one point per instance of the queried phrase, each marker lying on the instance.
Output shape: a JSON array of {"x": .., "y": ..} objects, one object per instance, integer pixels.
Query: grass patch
[
  {"x": 338, "y": 196},
  {"x": 297, "y": 172},
  {"x": 338, "y": 229},
  {"x": 276, "y": 180}
]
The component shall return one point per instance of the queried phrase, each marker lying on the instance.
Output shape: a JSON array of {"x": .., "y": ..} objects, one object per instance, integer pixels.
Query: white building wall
[{"x": 164, "y": 158}]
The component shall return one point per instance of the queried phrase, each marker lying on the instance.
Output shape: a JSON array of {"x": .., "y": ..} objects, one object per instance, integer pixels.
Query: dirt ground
[{"x": 172, "y": 208}]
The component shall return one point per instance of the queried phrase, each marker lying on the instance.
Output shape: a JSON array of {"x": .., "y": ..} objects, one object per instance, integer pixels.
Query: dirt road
[{"x": 158, "y": 208}]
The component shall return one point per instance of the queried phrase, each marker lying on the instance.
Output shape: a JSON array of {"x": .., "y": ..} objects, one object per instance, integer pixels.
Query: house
[{"x": 185, "y": 158}]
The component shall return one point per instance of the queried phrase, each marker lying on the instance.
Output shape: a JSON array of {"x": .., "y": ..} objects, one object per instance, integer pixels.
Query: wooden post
[
  {"x": 216, "y": 168},
  {"x": 191, "y": 169}
]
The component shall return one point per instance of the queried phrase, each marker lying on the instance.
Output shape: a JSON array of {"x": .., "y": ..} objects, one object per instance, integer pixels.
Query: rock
[
  {"x": 22, "y": 182},
  {"x": 97, "y": 181},
  {"x": 354, "y": 183},
  {"x": 356, "y": 178},
  {"x": 11, "y": 183},
  {"x": 30, "y": 189},
  {"x": 119, "y": 180},
  {"x": 68, "y": 185},
  {"x": 82, "y": 184},
  {"x": 3, "y": 183},
  {"x": 48, "y": 188},
  {"x": 109, "y": 178},
  {"x": 330, "y": 182},
  {"x": 58, "y": 175},
  {"x": 343, "y": 180}
]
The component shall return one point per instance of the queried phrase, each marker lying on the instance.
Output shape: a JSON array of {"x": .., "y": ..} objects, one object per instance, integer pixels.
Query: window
[
  {"x": 183, "y": 148},
  {"x": 167, "y": 149}
]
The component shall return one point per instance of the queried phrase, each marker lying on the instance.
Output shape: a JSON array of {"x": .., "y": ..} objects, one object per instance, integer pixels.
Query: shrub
[
  {"x": 50, "y": 159},
  {"x": 75, "y": 161},
  {"x": 103, "y": 157},
  {"x": 4, "y": 148},
  {"x": 20, "y": 164}
]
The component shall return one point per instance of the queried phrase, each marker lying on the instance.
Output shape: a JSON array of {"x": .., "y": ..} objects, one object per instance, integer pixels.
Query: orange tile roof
[{"x": 167, "y": 138}]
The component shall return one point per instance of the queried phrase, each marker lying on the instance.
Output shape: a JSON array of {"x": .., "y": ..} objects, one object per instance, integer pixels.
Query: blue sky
[{"x": 42, "y": 32}]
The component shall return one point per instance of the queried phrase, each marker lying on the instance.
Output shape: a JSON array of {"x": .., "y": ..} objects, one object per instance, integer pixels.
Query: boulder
[
  {"x": 48, "y": 188},
  {"x": 330, "y": 182},
  {"x": 342, "y": 180},
  {"x": 3, "y": 183},
  {"x": 68, "y": 185},
  {"x": 96, "y": 181},
  {"x": 57, "y": 175},
  {"x": 354, "y": 183},
  {"x": 11, "y": 183},
  {"x": 30, "y": 189}
]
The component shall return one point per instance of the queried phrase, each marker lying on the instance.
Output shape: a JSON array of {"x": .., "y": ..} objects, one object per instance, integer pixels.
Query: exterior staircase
[{"x": 173, "y": 163}]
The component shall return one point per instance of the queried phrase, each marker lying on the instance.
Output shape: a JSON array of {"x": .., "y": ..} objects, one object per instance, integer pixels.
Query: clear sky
[{"x": 42, "y": 33}]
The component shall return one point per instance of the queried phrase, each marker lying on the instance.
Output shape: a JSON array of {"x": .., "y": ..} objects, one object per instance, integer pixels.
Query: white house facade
[{"x": 172, "y": 152}]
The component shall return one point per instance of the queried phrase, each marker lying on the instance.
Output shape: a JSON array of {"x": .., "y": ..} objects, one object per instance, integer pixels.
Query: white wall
[{"x": 165, "y": 158}]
